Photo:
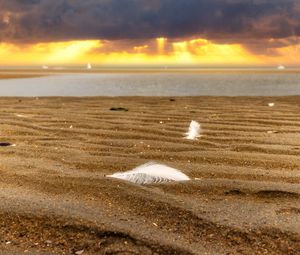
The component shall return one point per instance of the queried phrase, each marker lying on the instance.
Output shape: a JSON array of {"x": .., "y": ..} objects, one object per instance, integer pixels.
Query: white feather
[
  {"x": 271, "y": 104},
  {"x": 194, "y": 131},
  {"x": 151, "y": 173}
]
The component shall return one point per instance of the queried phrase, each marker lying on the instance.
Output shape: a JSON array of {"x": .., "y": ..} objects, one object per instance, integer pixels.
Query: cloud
[{"x": 228, "y": 20}]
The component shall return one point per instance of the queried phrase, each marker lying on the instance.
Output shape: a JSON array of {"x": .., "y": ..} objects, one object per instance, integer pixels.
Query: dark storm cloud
[{"x": 232, "y": 20}]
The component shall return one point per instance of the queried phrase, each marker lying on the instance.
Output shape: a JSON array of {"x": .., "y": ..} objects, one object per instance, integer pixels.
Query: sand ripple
[{"x": 244, "y": 196}]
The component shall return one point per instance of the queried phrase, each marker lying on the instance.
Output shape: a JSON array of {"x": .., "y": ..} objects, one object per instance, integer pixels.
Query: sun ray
[
  {"x": 160, "y": 51},
  {"x": 161, "y": 43}
]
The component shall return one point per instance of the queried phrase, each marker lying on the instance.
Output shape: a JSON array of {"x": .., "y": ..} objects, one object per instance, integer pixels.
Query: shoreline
[
  {"x": 21, "y": 75},
  {"x": 42, "y": 72}
]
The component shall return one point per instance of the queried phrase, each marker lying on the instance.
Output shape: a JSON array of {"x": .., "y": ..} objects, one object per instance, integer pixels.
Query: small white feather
[
  {"x": 271, "y": 104},
  {"x": 21, "y": 115},
  {"x": 151, "y": 173},
  {"x": 194, "y": 131}
]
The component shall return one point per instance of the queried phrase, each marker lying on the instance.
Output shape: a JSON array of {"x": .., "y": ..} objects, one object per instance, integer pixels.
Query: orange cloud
[{"x": 140, "y": 49}]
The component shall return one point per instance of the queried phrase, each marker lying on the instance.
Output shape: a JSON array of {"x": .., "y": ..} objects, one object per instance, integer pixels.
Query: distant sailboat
[
  {"x": 281, "y": 67},
  {"x": 89, "y": 66}
]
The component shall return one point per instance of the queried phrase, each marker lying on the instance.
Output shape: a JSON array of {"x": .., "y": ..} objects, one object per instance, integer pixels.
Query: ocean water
[{"x": 155, "y": 84}]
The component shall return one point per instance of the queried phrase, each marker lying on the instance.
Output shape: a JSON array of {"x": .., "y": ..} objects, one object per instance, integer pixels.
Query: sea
[{"x": 165, "y": 83}]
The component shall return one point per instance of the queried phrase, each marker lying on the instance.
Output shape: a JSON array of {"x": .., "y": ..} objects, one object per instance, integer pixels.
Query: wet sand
[
  {"x": 21, "y": 75},
  {"x": 244, "y": 196}
]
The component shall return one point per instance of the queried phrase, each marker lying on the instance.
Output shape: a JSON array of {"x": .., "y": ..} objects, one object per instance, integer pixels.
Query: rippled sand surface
[{"x": 244, "y": 196}]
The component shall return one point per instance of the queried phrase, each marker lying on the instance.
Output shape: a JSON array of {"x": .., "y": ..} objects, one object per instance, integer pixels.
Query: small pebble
[
  {"x": 48, "y": 242},
  {"x": 272, "y": 132},
  {"x": 119, "y": 109},
  {"x": 5, "y": 144}
]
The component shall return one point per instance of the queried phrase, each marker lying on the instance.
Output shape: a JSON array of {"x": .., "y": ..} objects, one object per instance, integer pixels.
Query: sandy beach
[{"x": 244, "y": 196}]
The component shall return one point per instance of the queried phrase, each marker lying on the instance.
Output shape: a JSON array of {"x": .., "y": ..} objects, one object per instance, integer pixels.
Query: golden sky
[{"x": 156, "y": 52}]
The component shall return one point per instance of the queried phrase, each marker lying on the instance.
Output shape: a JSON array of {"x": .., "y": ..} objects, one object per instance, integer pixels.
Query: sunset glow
[{"x": 159, "y": 51}]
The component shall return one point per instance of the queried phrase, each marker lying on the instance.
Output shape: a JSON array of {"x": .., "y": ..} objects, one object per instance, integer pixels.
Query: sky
[{"x": 150, "y": 32}]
